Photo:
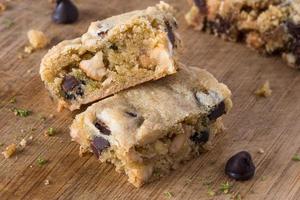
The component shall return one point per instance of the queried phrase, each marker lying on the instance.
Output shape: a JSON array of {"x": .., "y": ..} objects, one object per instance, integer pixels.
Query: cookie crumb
[
  {"x": 28, "y": 49},
  {"x": 261, "y": 151},
  {"x": 2, "y": 7},
  {"x": 21, "y": 56},
  {"x": 264, "y": 90},
  {"x": 37, "y": 39},
  {"x": 10, "y": 150},
  {"x": 46, "y": 182},
  {"x": 82, "y": 151}
]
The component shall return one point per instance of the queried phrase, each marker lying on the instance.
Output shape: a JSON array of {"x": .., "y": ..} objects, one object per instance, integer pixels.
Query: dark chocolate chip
[
  {"x": 69, "y": 82},
  {"x": 65, "y": 12},
  {"x": 79, "y": 91},
  {"x": 200, "y": 138},
  {"x": 218, "y": 111},
  {"x": 114, "y": 47},
  {"x": 240, "y": 166},
  {"x": 294, "y": 29},
  {"x": 171, "y": 34},
  {"x": 98, "y": 145},
  {"x": 102, "y": 33},
  {"x": 103, "y": 128},
  {"x": 222, "y": 26},
  {"x": 201, "y": 4},
  {"x": 131, "y": 114}
]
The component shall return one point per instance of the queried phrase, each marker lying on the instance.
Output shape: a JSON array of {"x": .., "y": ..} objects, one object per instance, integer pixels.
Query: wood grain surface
[{"x": 272, "y": 124}]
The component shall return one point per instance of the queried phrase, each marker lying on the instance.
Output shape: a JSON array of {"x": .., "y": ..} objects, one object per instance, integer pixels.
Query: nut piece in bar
[
  {"x": 151, "y": 129},
  {"x": 114, "y": 54}
]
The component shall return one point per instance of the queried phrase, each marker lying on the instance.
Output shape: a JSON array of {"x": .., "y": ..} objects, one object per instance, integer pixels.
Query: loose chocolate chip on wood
[
  {"x": 171, "y": 34},
  {"x": 201, "y": 4},
  {"x": 218, "y": 111},
  {"x": 65, "y": 12},
  {"x": 200, "y": 138},
  {"x": 69, "y": 83},
  {"x": 98, "y": 144},
  {"x": 103, "y": 128},
  {"x": 240, "y": 166}
]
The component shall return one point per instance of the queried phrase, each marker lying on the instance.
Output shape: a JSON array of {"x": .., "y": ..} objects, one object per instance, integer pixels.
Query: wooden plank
[{"x": 271, "y": 124}]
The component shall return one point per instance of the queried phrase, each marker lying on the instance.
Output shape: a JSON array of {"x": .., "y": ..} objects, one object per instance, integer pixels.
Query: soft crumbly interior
[
  {"x": 136, "y": 51},
  {"x": 149, "y": 162}
]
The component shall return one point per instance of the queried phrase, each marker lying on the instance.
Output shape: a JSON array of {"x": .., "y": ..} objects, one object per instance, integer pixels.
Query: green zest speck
[
  {"x": 41, "y": 161},
  {"x": 21, "y": 112},
  {"x": 296, "y": 157},
  {"x": 225, "y": 187},
  {"x": 8, "y": 23},
  {"x": 211, "y": 193},
  {"x": 51, "y": 131},
  {"x": 13, "y": 100},
  {"x": 168, "y": 194}
]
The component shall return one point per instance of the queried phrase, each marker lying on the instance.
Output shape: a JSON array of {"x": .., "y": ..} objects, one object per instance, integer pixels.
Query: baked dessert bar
[
  {"x": 148, "y": 130},
  {"x": 268, "y": 26},
  {"x": 114, "y": 54}
]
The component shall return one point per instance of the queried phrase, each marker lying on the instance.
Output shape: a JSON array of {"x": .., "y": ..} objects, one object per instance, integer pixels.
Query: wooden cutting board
[{"x": 272, "y": 124}]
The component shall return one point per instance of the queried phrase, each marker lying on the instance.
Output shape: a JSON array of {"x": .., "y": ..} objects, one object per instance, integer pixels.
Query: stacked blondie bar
[
  {"x": 153, "y": 113},
  {"x": 268, "y": 26}
]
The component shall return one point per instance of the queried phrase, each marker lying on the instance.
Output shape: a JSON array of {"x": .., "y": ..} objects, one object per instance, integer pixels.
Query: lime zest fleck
[
  {"x": 21, "y": 112},
  {"x": 50, "y": 131},
  {"x": 168, "y": 194},
  {"x": 225, "y": 187},
  {"x": 296, "y": 157},
  {"x": 41, "y": 162}
]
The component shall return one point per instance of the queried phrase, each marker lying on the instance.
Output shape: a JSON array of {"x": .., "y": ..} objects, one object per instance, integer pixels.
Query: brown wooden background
[{"x": 272, "y": 124}]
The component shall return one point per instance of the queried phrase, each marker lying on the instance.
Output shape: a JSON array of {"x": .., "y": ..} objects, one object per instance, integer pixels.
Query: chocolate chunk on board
[
  {"x": 171, "y": 34},
  {"x": 65, "y": 12},
  {"x": 98, "y": 145}
]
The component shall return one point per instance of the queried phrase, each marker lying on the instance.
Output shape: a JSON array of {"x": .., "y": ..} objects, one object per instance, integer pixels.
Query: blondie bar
[
  {"x": 268, "y": 26},
  {"x": 148, "y": 130},
  {"x": 114, "y": 54}
]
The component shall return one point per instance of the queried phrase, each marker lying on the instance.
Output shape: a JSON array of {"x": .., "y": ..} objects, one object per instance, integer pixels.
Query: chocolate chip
[
  {"x": 131, "y": 114},
  {"x": 98, "y": 144},
  {"x": 102, "y": 33},
  {"x": 171, "y": 34},
  {"x": 218, "y": 111},
  {"x": 222, "y": 25},
  {"x": 240, "y": 166},
  {"x": 114, "y": 47},
  {"x": 294, "y": 29},
  {"x": 201, "y": 4},
  {"x": 65, "y": 12},
  {"x": 69, "y": 82},
  {"x": 200, "y": 138},
  {"x": 103, "y": 128},
  {"x": 70, "y": 96}
]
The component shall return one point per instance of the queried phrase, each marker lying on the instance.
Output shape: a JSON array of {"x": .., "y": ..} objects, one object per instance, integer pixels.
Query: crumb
[
  {"x": 37, "y": 39},
  {"x": 29, "y": 71},
  {"x": 211, "y": 193},
  {"x": 21, "y": 56},
  {"x": 28, "y": 49},
  {"x": 2, "y": 7},
  {"x": 22, "y": 131},
  {"x": 23, "y": 143},
  {"x": 82, "y": 151},
  {"x": 46, "y": 182},
  {"x": 10, "y": 150},
  {"x": 51, "y": 116},
  {"x": 13, "y": 100},
  {"x": 264, "y": 90},
  {"x": 261, "y": 151}
]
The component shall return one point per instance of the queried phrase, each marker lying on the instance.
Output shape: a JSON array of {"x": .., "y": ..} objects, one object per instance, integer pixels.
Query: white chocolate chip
[
  {"x": 94, "y": 68},
  {"x": 162, "y": 57}
]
